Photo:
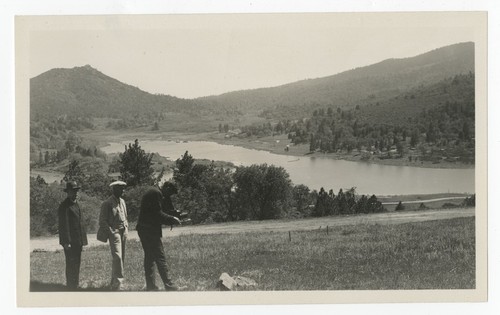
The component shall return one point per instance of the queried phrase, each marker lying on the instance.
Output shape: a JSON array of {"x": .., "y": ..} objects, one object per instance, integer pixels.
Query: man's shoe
[
  {"x": 117, "y": 287},
  {"x": 169, "y": 286},
  {"x": 153, "y": 288}
]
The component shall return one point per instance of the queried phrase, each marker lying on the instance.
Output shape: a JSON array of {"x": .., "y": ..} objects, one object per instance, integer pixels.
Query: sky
[{"x": 190, "y": 56}]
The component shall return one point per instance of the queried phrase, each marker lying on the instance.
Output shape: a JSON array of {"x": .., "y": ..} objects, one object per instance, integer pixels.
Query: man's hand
[
  {"x": 67, "y": 246},
  {"x": 177, "y": 221},
  {"x": 174, "y": 221}
]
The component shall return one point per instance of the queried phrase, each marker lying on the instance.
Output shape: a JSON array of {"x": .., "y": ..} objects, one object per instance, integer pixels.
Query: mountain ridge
[
  {"x": 390, "y": 76},
  {"x": 86, "y": 91},
  {"x": 446, "y": 50}
]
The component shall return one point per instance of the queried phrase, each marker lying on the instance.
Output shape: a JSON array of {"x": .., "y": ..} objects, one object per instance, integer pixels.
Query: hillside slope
[
  {"x": 375, "y": 82},
  {"x": 84, "y": 91}
]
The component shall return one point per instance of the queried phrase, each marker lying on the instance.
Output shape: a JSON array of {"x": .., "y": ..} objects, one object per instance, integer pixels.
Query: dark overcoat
[
  {"x": 154, "y": 212},
  {"x": 71, "y": 226}
]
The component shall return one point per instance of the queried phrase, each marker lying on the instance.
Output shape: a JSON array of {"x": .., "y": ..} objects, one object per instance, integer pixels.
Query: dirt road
[{"x": 51, "y": 243}]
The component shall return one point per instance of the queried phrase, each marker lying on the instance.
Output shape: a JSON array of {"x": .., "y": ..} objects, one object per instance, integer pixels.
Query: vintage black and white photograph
[{"x": 319, "y": 153}]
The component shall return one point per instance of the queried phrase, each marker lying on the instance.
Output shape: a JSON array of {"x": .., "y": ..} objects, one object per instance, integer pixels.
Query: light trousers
[{"x": 117, "y": 242}]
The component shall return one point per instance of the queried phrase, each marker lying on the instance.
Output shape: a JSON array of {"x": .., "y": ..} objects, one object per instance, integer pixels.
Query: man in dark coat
[
  {"x": 72, "y": 234},
  {"x": 155, "y": 205}
]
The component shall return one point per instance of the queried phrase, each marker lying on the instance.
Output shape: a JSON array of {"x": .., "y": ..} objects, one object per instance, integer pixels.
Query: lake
[{"x": 317, "y": 172}]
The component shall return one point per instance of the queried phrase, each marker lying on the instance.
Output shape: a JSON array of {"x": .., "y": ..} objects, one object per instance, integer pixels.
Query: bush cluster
[
  {"x": 345, "y": 203},
  {"x": 208, "y": 193}
]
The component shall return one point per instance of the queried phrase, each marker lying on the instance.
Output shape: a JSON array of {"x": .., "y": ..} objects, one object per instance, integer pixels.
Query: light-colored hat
[{"x": 118, "y": 183}]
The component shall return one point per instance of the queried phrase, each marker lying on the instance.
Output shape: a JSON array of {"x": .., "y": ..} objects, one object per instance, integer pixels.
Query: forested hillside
[
  {"x": 362, "y": 85},
  {"x": 429, "y": 122},
  {"x": 84, "y": 91}
]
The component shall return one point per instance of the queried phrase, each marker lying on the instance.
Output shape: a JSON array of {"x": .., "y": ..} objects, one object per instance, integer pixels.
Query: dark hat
[
  {"x": 169, "y": 188},
  {"x": 72, "y": 186}
]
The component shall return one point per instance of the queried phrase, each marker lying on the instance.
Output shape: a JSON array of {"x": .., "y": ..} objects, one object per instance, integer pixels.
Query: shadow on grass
[{"x": 37, "y": 286}]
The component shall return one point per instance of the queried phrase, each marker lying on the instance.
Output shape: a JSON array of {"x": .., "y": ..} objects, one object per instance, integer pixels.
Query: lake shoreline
[
  {"x": 274, "y": 145},
  {"x": 303, "y": 151}
]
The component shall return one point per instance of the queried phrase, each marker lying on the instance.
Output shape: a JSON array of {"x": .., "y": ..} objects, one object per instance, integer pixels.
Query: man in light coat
[{"x": 113, "y": 225}]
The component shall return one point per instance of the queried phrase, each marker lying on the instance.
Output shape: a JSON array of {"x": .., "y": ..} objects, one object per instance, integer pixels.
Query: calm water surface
[{"x": 317, "y": 172}]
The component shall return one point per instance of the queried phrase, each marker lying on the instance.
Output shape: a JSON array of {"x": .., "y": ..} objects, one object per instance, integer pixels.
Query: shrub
[
  {"x": 90, "y": 207},
  {"x": 470, "y": 201},
  {"x": 449, "y": 205},
  {"x": 44, "y": 203},
  {"x": 132, "y": 197},
  {"x": 400, "y": 206}
]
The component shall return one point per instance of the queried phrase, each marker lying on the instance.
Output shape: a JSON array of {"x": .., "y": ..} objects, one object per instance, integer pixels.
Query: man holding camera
[{"x": 156, "y": 209}]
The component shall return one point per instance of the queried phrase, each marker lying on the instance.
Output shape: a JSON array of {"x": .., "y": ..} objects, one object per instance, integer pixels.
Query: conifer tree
[
  {"x": 136, "y": 165},
  {"x": 74, "y": 173}
]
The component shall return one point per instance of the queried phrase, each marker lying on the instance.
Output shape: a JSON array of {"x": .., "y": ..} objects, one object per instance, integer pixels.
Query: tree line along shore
[{"x": 209, "y": 193}]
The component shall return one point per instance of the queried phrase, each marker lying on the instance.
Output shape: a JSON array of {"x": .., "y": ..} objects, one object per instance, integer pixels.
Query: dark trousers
[
  {"x": 153, "y": 253},
  {"x": 73, "y": 259}
]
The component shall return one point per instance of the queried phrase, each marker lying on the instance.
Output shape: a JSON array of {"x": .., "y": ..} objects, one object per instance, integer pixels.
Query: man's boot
[{"x": 170, "y": 286}]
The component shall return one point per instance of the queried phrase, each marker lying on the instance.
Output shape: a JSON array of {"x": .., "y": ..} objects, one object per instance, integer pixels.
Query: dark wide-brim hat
[
  {"x": 72, "y": 186},
  {"x": 169, "y": 188}
]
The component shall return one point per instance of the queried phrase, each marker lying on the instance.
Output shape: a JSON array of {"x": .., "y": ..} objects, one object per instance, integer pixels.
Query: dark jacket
[
  {"x": 71, "y": 227},
  {"x": 154, "y": 212}
]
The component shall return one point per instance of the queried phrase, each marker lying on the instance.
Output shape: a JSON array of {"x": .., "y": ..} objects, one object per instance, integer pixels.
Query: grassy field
[{"x": 427, "y": 255}]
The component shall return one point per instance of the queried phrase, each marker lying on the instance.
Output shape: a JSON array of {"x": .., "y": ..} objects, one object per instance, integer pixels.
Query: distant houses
[{"x": 232, "y": 133}]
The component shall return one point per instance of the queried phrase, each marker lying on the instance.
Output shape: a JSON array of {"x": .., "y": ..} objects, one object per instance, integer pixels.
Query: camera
[
  {"x": 182, "y": 216},
  {"x": 179, "y": 215}
]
